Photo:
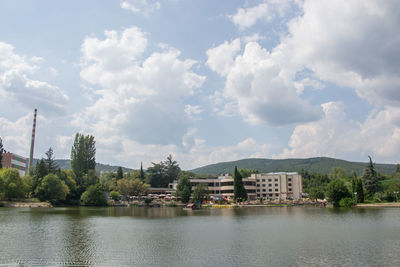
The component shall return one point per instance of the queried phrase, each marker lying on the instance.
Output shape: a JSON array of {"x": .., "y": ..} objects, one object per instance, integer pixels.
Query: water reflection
[{"x": 278, "y": 236}]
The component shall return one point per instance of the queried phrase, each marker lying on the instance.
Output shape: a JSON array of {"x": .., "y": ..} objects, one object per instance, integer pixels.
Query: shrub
[
  {"x": 347, "y": 202},
  {"x": 114, "y": 195},
  {"x": 94, "y": 196},
  {"x": 148, "y": 200}
]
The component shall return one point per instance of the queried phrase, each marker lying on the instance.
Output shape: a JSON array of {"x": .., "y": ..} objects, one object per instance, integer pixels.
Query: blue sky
[{"x": 206, "y": 81}]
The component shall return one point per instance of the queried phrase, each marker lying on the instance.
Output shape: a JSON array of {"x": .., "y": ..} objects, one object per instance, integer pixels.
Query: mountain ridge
[{"x": 323, "y": 165}]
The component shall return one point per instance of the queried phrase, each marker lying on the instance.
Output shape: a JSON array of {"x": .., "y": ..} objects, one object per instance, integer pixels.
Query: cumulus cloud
[
  {"x": 267, "y": 10},
  {"x": 18, "y": 88},
  {"x": 140, "y": 100},
  {"x": 257, "y": 83},
  {"x": 337, "y": 136},
  {"x": 141, "y": 6},
  {"x": 354, "y": 44}
]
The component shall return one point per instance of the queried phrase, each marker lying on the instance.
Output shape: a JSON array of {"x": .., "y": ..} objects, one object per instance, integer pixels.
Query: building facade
[
  {"x": 268, "y": 186},
  {"x": 279, "y": 185},
  {"x": 11, "y": 160}
]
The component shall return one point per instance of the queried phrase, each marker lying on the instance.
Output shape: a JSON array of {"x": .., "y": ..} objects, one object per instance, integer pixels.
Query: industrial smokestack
[{"x": 33, "y": 139}]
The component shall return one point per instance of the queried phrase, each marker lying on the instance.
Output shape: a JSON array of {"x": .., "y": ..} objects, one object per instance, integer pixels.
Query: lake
[{"x": 254, "y": 236}]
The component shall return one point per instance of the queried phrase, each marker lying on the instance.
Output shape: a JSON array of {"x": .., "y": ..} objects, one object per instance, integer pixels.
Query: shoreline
[
  {"x": 379, "y": 205},
  {"x": 21, "y": 204}
]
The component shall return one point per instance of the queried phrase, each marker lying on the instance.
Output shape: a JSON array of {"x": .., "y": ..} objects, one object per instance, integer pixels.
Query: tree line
[{"x": 343, "y": 189}]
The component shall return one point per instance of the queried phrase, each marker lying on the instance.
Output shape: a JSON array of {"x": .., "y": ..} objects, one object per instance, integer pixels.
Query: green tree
[
  {"x": 141, "y": 172},
  {"x": 1, "y": 152},
  {"x": 51, "y": 165},
  {"x": 359, "y": 191},
  {"x": 52, "y": 189},
  {"x": 114, "y": 195},
  {"x": 157, "y": 175},
  {"x": 83, "y": 155},
  {"x": 94, "y": 196},
  {"x": 120, "y": 174},
  {"x": 12, "y": 183},
  {"x": 336, "y": 191},
  {"x": 40, "y": 172},
  {"x": 370, "y": 179},
  {"x": 172, "y": 168},
  {"x": 247, "y": 172},
  {"x": 163, "y": 173},
  {"x": 316, "y": 193},
  {"x": 184, "y": 189},
  {"x": 200, "y": 193},
  {"x": 337, "y": 173},
  {"x": 239, "y": 192}
]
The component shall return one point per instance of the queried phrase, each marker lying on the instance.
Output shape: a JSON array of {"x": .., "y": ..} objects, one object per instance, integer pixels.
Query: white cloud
[
  {"x": 257, "y": 82},
  {"x": 247, "y": 17},
  {"x": 141, "y": 6},
  {"x": 192, "y": 111},
  {"x": 140, "y": 100},
  {"x": 337, "y": 136},
  {"x": 350, "y": 43},
  {"x": 17, "y": 88}
]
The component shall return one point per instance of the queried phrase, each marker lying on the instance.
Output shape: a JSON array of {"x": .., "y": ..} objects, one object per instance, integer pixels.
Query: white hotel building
[{"x": 269, "y": 186}]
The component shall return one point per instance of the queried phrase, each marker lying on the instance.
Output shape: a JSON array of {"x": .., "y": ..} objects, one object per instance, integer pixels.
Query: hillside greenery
[{"x": 321, "y": 165}]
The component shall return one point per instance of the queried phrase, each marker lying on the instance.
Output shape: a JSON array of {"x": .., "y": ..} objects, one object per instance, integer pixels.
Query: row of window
[
  {"x": 270, "y": 180},
  {"x": 270, "y": 190}
]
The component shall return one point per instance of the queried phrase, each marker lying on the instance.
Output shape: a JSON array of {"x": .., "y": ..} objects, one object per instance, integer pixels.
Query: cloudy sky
[{"x": 204, "y": 80}]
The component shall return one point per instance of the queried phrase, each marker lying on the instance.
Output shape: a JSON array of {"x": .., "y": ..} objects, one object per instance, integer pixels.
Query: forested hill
[
  {"x": 321, "y": 165},
  {"x": 66, "y": 164}
]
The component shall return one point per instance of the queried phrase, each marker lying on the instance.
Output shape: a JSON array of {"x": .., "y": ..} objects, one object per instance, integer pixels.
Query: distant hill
[
  {"x": 321, "y": 165},
  {"x": 66, "y": 164}
]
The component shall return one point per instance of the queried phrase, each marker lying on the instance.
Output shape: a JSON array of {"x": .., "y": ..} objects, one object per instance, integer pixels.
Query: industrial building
[{"x": 11, "y": 160}]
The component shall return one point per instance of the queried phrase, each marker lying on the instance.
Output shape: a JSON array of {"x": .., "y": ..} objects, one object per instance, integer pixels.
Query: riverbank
[
  {"x": 20, "y": 204},
  {"x": 378, "y": 205}
]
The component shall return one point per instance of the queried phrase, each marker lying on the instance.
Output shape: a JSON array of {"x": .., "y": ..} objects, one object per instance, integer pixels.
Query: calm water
[{"x": 293, "y": 236}]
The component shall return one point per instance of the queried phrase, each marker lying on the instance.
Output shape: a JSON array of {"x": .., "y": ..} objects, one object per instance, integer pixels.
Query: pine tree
[
  {"x": 359, "y": 191},
  {"x": 141, "y": 172},
  {"x": 239, "y": 192},
  {"x": 51, "y": 164},
  {"x": 371, "y": 180},
  {"x": 120, "y": 174},
  {"x": 1, "y": 152}
]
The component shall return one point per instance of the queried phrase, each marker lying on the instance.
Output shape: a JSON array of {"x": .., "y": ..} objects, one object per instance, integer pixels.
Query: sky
[{"x": 206, "y": 81}]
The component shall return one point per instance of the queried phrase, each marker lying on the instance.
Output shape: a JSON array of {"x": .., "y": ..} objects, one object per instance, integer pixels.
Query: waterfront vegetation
[{"x": 83, "y": 186}]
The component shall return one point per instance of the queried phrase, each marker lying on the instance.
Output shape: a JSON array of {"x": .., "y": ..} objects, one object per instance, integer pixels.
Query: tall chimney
[{"x": 33, "y": 139}]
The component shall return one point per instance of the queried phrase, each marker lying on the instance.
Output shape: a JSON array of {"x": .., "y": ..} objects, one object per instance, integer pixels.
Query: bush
[
  {"x": 148, "y": 200},
  {"x": 347, "y": 202},
  {"x": 51, "y": 188},
  {"x": 336, "y": 191},
  {"x": 11, "y": 185},
  {"x": 114, "y": 195},
  {"x": 94, "y": 196}
]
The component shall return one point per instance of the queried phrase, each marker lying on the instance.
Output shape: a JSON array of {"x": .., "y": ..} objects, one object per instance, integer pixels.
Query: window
[
  {"x": 276, "y": 179},
  {"x": 269, "y": 180},
  {"x": 290, "y": 184},
  {"x": 290, "y": 189},
  {"x": 263, "y": 190},
  {"x": 289, "y": 179},
  {"x": 276, "y": 190},
  {"x": 263, "y": 180},
  {"x": 258, "y": 180},
  {"x": 264, "y": 195},
  {"x": 263, "y": 185},
  {"x": 276, "y": 185},
  {"x": 270, "y": 195},
  {"x": 270, "y": 190},
  {"x": 269, "y": 185},
  {"x": 258, "y": 190},
  {"x": 258, "y": 185}
]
